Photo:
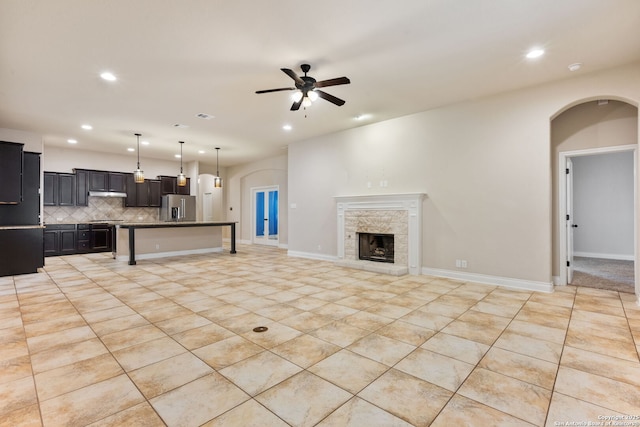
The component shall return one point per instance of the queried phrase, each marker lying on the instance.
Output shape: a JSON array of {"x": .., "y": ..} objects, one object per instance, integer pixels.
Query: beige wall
[
  {"x": 241, "y": 179},
  {"x": 485, "y": 166},
  {"x": 32, "y": 141},
  {"x": 587, "y": 126}
]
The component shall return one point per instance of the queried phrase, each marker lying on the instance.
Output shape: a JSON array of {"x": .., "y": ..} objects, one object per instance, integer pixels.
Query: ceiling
[{"x": 175, "y": 59}]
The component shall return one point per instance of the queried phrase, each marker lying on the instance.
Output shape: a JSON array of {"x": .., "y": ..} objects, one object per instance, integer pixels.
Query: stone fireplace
[{"x": 396, "y": 216}]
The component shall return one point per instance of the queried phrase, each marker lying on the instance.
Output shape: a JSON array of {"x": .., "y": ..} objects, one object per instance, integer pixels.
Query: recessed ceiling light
[
  {"x": 108, "y": 76},
  {"x": 177, "y": 156},
  {"x": 204, "y": 116},
  {"x": 144, "y": 142},
  {"x": 201, "y": 151},
  {"x": 575, "y": 67},
  {"x": 535, "y": 53},
  {"x": 86, "y": 127},
  {"x": 361, "y": 117},
  {"x": 287, "y": 127},
  {"x": 131, "y": 149},
  {"x": 72, "y": 141}
]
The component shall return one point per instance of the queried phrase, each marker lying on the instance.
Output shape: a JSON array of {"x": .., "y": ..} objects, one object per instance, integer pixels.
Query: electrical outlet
[
  {"x": 157, "y": 246},
  {"x": 463, "y": 263},
  {"x": 458, "y": 263}
]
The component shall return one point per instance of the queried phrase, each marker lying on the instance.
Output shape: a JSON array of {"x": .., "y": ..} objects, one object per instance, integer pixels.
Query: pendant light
[
  {"x": 182, "y": 179},
  {"x": 217, "y": 180},
  {"x": 138, "y": 175}
]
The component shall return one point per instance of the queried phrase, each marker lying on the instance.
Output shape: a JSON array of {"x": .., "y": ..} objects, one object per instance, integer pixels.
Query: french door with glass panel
[{"x": 265, "y": 215}]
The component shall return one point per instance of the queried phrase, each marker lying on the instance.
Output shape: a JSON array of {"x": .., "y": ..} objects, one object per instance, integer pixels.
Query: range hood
[{"x": 107, "y": 194}]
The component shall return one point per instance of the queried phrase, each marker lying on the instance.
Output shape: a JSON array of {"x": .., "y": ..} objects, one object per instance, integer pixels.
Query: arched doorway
[{"x": 584, "y": 131}]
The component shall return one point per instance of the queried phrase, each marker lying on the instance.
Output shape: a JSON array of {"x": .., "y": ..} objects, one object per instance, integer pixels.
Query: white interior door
[
  {"x": 265, "y": 216},
  {"x": 207, "y": 206},
  {"x": 570, "y": 226}
]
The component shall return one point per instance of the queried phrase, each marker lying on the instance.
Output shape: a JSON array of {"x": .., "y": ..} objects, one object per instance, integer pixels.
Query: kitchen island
[{"x": 170, "y": 238}]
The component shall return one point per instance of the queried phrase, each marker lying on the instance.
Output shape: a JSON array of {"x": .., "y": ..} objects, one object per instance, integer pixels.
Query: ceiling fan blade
[
  {"x": 293, "y": 75},
  {"x": 296, "y": 105},
  {"x": 275, "y": 90},
  {"x": 333, "y": 82},
  {"x": 324, "y": 95}
]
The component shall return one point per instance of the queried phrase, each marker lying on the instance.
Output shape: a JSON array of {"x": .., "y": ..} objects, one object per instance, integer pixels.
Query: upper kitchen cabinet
[
  {"x": 145, "y": 194},
  {"x": 106, "y": 181},
  {"x": 11, "y": 165},
  {"x": 170, "y": 185},
  {"x": 82, "y": 187},
  {"x": 59, "y": 189}
]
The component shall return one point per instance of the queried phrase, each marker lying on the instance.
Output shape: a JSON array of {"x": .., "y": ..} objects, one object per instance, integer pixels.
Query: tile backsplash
[{"x": 100, "y": 208}]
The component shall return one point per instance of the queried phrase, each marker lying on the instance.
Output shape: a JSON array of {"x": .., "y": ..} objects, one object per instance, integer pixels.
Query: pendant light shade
[
  {"x": 217, "y": 182},
  {"x": 182, "y": 179},
  {"x": 138, "y": 174}
]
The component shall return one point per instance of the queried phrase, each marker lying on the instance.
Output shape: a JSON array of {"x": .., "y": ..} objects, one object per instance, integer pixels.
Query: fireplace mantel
[{"x": 410, "y": 204}]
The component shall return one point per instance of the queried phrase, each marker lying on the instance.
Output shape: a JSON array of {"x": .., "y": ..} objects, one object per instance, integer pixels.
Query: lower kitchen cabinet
[
  {"x": 69, "y": 239},
  {"x": 59, "y": 239}
]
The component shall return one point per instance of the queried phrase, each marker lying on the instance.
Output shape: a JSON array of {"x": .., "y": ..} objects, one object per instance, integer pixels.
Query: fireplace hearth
[{"x": 376, "y": 247}]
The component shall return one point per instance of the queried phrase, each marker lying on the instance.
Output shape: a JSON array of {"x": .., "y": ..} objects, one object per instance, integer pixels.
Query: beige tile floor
[{"x": 92, "y": 341}]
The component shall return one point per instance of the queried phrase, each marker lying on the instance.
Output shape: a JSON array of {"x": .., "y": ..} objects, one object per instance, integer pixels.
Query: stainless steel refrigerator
[{"x": 176, "y": 207}]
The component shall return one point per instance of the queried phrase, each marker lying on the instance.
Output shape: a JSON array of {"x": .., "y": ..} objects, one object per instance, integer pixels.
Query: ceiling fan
[{"x": 307, "y": 88}]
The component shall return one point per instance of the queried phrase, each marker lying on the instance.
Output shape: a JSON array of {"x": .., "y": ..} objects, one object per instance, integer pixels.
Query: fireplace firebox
[{"x": 375, "y": 247}]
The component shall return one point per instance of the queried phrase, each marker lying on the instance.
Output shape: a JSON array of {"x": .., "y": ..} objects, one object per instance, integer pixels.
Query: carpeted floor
[{"x": 615, "y": 275}]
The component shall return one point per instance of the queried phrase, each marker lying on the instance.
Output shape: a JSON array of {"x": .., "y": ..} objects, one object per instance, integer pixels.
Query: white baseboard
[
  {"x": 311, "y": 255},
  {"x": 249, "y": 242},
  {"x": 506, "y": 282},
  {"x": 605, "y": 256},
  {"x": 170, "y": 254}
]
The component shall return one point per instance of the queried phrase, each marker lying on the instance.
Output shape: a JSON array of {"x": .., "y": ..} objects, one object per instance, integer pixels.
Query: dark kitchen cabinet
[
  {"x": 106, "y": 181},
  {"x": 170, "y": 186},
  {"x": 116, "y": 182},
  {"x": 59, "y": 189},
  {"x": 50, "y": 189},
  {"x": 59, "y": 239},
  {"x": 98, "y": 181},
  {"x": 26, "y": 212},
  {"x": 11, "y": 164},
  {"x": 155, "y": 193},
  {"x": 142, "y": 195},
  {"x": 66, "y": 189},
  {"x": 132, "y": 194},
  {"x": 83, "y": 238},
  {"x": 82, "y": 187}
]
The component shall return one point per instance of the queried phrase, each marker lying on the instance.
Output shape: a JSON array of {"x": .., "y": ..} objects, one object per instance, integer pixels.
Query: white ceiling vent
[{"x": 204, "y": 116}]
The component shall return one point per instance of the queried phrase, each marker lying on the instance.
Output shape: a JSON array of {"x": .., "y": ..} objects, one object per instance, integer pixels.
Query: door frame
[
  {"x": 266, "y": 189},
  {"x": 562, "y": 204}
]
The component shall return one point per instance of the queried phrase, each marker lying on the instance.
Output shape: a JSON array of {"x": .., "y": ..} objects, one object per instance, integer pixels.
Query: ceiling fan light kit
[{"x": 306, "y": 88}]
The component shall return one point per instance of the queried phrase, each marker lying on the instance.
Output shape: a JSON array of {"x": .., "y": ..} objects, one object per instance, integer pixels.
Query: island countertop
[{"x": 164, "y": 224}]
